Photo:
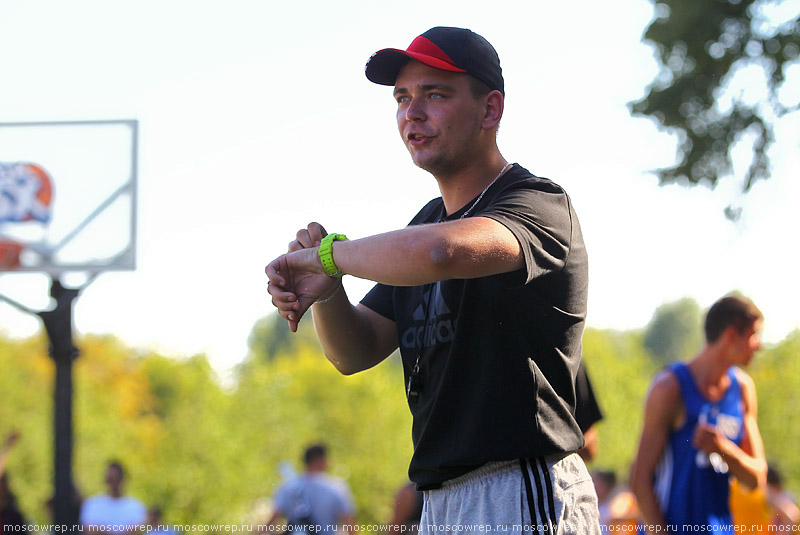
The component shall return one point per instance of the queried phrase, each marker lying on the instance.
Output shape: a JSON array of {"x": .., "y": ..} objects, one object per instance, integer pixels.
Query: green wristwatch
[{"x": 325, "y": 252}]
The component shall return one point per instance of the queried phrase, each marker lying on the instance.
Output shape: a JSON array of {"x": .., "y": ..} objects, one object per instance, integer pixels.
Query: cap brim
[{"x": 384, "y": 66}]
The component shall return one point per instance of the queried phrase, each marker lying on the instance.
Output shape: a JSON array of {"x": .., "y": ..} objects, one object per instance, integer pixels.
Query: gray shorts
[{"x": 546, "y": 495}]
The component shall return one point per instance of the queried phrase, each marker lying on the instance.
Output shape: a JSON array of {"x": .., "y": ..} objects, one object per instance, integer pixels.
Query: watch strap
[{"x": 325, "y": 252}]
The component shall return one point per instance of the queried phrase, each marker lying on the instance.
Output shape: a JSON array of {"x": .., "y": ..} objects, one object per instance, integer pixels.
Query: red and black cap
[{"x": 449, "y": 49}]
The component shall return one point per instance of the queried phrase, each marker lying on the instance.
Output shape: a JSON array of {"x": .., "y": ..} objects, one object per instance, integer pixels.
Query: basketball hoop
[
  {"x": 90, "y": 227},
  {"x": 9, "y": 254}
]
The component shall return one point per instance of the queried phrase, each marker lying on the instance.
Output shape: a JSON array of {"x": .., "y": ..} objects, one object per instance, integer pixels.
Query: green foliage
[
  {"x": 191, "y": 473},
  {"x": 620, "y": 371},
  {"x": 26, "y": 381},
  {"x": 700, "y": 47},
  {"x": 208, "y": 454},
  {"x": 202, "y": 453},
  {"x": 271, "y": 337},
  {"x": 776, "y": 372},
  {"x": 675, "y": 332},
  {"x": 293, "y": 401}
]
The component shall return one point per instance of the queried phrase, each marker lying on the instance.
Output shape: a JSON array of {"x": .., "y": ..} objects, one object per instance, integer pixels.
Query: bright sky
[{"x": 256, "y": 118}]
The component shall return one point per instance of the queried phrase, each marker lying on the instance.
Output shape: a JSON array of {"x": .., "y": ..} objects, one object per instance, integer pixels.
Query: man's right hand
[{"x": 297, "y": 279}]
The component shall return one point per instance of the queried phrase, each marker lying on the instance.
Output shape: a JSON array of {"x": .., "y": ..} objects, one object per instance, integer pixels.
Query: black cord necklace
[{"x": 414, "y": 386}]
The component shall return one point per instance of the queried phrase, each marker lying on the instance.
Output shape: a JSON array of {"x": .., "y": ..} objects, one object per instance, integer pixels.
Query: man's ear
[
  {"x": 494, "y": 110},
  {"x": 730, "y": 333}
]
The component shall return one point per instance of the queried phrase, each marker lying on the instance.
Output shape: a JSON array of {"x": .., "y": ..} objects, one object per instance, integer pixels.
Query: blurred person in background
[
  {"x": 764, "y": 510},
  {"x": 617, "y": 505},
  {"x": 314, "y": 502},
  {"x": 407, "y": 510},
  {"x": 11, "y": 518},
  {"x": 786, "y": 514},
  {"x": 113, "y": 512},
  {"x": 700, "y": 428}
]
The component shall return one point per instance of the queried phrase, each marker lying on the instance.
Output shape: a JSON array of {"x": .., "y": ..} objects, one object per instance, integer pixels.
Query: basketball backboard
[{"x": 68, "y": 196}]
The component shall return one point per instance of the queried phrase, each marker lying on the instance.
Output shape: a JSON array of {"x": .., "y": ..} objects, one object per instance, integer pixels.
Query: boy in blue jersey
[{"x": 700, "y": 429}]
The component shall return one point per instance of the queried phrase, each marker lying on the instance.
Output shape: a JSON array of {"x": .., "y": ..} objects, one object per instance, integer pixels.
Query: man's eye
[
  {"x": 436, "y": 95},
  {"x": 402, "y": 98}
]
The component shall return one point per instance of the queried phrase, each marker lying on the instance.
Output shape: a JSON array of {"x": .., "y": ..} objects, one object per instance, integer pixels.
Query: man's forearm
[
  {"x": 354, "y": 337},
  {"x": 648, "y": 504},
  {"x": 749, "y": 470},
  {"x": 428, "y": 253},
  {"x": 652, "y": 518},
  {"x": 348, "y": 337}
]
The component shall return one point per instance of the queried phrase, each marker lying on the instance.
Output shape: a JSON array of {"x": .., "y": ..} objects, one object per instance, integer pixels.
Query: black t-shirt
[
  {"x": 499, "y": 354},
  {"x": 587, "y": 410}
]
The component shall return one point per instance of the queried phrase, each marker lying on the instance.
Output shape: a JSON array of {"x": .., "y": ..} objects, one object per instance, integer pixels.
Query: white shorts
[{"x": 545, "y": 495}]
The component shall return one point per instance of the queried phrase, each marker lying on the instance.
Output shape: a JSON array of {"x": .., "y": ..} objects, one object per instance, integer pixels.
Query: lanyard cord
[{"x": 414, "y": 381}]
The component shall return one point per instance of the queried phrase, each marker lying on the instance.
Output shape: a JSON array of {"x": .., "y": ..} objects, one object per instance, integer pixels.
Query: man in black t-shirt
[{"x": 484, "y": 293}]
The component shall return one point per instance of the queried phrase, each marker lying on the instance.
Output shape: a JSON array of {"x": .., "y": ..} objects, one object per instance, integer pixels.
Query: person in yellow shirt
[
  {"x": 764, "y": 510},
  {"x": 749, "y": 508}
]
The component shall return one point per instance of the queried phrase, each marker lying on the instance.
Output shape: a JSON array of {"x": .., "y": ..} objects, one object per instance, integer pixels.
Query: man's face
[
  {"x": 114, "y": 480},
  {"x": 747, "y": 343},
  {"x": 438, "y": 118}
]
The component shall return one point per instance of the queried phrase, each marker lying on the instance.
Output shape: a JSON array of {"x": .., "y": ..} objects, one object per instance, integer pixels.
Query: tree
[
  {"x": 293, "y": 400},
  {"x": 210, "y": 454},
  {"x": 271, "y": 336},
  {"x": 776, "y": 372},
  {"x": 620, "y": 371},
  {"x": 702, "y": 49},
  {"x": 26, "y": 381},
  {"x": 674, "y": 332},
  {"x": 194, "y": 463}
]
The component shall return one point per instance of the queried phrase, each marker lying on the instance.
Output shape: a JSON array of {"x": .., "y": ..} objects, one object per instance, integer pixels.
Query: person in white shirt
[{"x": 113, "y": 512}]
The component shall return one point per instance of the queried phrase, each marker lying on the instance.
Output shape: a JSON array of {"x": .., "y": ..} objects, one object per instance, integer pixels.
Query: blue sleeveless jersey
[{"x": 692, "y": 487}]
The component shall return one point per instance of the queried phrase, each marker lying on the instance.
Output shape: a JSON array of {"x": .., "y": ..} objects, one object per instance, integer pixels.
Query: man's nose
[{"x": 415, "y": 110}]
